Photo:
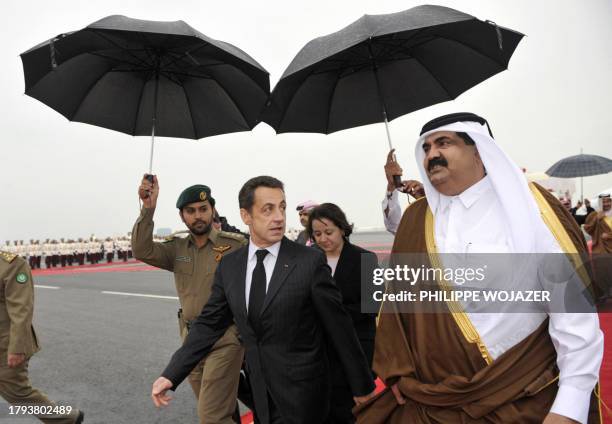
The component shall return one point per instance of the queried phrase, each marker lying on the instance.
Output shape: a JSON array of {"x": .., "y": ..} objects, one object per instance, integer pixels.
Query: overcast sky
[{"x": 65, "y": 179}]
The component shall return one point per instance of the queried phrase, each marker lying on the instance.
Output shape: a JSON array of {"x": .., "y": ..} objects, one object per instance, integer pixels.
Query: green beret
[{"x": 195, "y": 193}]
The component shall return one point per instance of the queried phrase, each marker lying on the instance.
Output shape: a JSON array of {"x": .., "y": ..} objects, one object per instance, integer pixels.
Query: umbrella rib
[
  {"x": 128, "y": 51},
  {"x": 185, "y": 74},
  {"x": 282, "y": 118},
  {"x": 195, "y": 132},
  {"x": 434, "y": 78},
  {"x": 233, "y": 101},
  {"x": 181, "y": 56},
  {"x": 329, "y": 103},
  {"x": 147, "y": 52},
  {"x": 472, "y": 48},
  {"x": 171, "y": 78},
  {"x": 87, "y": 93},
  {"x": 144, "y": 84},
  {"x": 389, "y": 46},
  {"x": 112, "y": 58}
]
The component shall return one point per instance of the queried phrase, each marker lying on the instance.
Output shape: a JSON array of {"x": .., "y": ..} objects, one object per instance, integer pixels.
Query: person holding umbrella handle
[{"x": 392, "y": 212}]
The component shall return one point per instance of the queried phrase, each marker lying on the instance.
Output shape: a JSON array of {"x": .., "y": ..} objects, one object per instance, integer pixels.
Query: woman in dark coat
[{"x": 330, "y": 231}]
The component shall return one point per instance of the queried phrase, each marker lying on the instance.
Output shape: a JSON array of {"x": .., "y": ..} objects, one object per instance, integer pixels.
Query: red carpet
[{"x": 605, "y": 375}]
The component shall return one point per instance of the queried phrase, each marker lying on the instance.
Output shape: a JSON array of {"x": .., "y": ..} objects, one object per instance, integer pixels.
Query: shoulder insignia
[
  {"x": 234, "y": 236},
  {"x": 175, "y": 235},
  {"x": 9, "y": 257}
]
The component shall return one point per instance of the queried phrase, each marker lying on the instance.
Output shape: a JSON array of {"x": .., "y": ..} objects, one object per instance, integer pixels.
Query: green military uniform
[
  {"x": 17, "y": 336},
  {"x": 215, "y": 380}
]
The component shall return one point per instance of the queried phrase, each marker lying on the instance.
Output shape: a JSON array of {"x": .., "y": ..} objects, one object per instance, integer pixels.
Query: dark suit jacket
[
  {"x": 288, "y": 358},
  {"x": 352, "y": 264}
]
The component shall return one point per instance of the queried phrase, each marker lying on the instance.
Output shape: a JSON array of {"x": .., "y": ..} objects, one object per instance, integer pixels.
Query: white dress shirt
[
  {"x": 269, "y": 262},
  {"x": 474, "y": 222}
]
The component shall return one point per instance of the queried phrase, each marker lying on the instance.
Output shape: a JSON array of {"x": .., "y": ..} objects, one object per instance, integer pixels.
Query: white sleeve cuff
[{"x": 572, "y": 403}]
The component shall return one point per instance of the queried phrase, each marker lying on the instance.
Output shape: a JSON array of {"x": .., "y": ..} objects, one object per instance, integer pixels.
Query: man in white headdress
[{"x": 465, "y": 367}]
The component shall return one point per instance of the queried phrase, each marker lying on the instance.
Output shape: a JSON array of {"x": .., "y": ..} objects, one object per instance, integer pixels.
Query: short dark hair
[
  {"x": 246, "y": 197},
  {"x": 332, "y": 212},
  {"x": 469, "y": 141}
]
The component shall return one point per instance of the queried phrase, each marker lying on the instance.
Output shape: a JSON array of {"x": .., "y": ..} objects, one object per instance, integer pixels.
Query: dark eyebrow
[
  {"x": 442, "y": 138},
  {"x": 437, "y": 140}
]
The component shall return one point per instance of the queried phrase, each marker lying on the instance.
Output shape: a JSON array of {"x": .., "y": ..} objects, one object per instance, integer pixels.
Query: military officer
[
  {"x": 109, "y": 249},
  {"x": 18, "y": 342},
  {"x": 193, "y": 260}
]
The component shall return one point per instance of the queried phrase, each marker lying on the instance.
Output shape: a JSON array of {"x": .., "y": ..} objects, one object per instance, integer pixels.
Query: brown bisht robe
[
  {"x": 602, "y": 250},
  {"x": 595, "y": 227},
  {"x": 441, "y": 365}
]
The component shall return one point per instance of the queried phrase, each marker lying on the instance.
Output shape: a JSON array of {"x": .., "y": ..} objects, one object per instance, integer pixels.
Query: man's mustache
[{"x": 437, "y": 161}]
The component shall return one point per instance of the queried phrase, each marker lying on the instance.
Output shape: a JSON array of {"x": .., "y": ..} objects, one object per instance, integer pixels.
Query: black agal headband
[{"x": 452, "y": 118}]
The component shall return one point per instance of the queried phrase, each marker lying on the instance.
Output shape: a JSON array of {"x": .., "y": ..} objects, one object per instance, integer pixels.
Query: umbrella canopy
[
  {"x": 580, "y": 166},
  {"x": 384, "y": 66},
  {"x": 137, "y": 76}
]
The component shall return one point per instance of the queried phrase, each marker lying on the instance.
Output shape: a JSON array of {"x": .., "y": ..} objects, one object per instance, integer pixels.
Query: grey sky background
[{"x": 64, "y": 179}]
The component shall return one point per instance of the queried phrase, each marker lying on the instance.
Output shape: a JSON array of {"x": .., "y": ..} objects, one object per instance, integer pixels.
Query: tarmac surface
[{"x": 106, "y": 333}]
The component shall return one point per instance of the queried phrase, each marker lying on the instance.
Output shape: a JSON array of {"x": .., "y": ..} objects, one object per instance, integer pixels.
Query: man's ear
[
  {"x": 245, "y": 216},
  {"x": 181, "y": 215}
]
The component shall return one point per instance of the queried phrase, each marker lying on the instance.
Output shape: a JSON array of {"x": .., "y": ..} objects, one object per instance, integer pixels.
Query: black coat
[
  {"x": 288, "y": 359},
  {"x": 354, "y": 268},
  {"x": 348, "y": 276}
]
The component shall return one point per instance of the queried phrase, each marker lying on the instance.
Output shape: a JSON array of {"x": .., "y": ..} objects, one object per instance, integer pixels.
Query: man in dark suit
[{"x": 284, "y": 302}]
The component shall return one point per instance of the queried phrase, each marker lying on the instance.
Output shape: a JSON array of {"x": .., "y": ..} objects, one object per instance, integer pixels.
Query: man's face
[
  {"x": 566, "y": 204},
  {"x": 266, "y": 219},
  {"x": 197, "y": 217},
  {"x": 450, "y": 164},
  {"x": 304, "y": 214},
  {"x": 606, "y": 203}
]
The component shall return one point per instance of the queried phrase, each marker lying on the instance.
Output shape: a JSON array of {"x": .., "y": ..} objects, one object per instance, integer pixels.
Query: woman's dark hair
[
  {"x": 334, "y": 214},
  {"x": 246, "y": 197}
]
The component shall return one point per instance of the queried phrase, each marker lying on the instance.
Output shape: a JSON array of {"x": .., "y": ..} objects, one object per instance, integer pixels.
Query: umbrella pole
[
  {"x": 152, "y": 148},
  {"x": 397, "y": 179},
  {"x": 387, "y": 128},
  {"x": 153, "y": 121}
]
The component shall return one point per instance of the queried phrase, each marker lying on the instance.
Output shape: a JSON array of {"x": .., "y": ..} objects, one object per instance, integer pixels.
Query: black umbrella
[
  {"x": 580, "y": 166},
  {"x": 384, "y": 66},
  {"x": 147, "y": 78}
]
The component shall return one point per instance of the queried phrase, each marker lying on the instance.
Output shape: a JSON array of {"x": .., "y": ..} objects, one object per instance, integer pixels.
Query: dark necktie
[{"x": 257, "y": 294}]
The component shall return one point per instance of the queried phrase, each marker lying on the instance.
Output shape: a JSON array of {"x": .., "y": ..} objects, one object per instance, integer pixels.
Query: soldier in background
[
  {"x": 30, "y": 251},
  {"x": 71, "y": 252},
  {"x": 46, "y": 252},
  {"x": 22, "y": 251},
  {"x": 61, "y": 248},
  {"x": 18, "y": 341},
  {"x": 56, "y": 253},
  {"x": 36, "y": 251},
  {"x": 109, "y": 249}
]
